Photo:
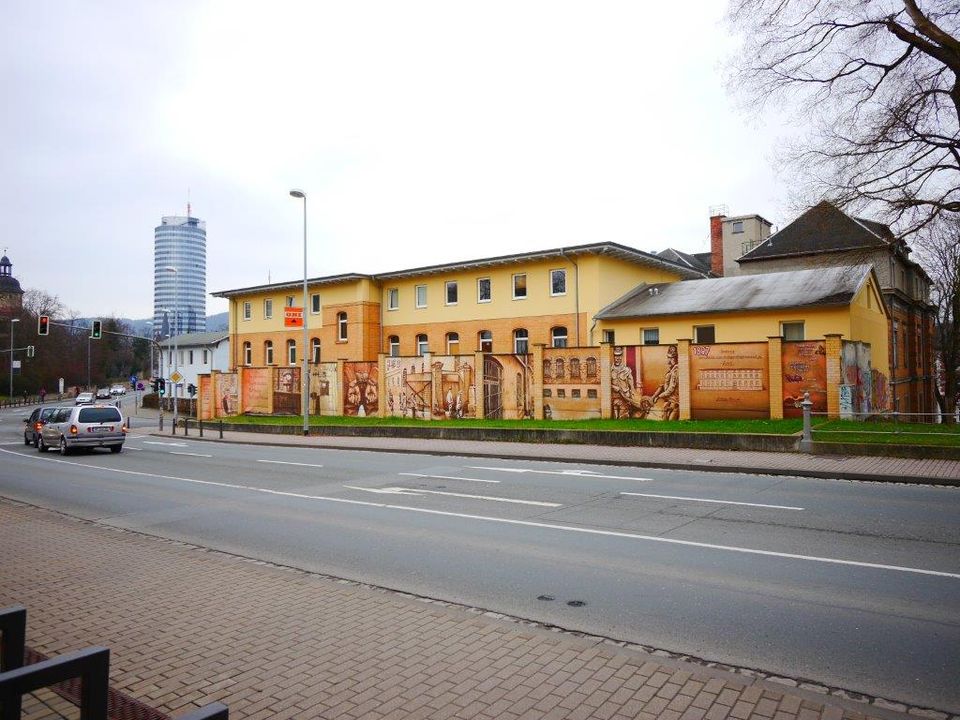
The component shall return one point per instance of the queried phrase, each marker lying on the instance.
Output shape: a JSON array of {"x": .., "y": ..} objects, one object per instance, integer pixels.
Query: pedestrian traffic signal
[
  {"x": 96, "y": 330},
  {"x": 29, "y": 350},
  {"x": 43, "y": 325},
  {"x": 192, "y": 389}
]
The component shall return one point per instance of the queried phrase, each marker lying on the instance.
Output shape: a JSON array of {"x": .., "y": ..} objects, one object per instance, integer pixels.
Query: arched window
[
  {"x": 247, "y": 354},
  {"x": 547, "y": 370},
  {"x": 574, "y": 368},
  {"x": 485, "y": 340},
  {"x": 292, "y": 352},
  {"x": 520, "y": 343},
  {"x": 268, "y": 352},
  {"x": 453, "y": 343},
  {"x": 394, "y": 342},
  {"x": 591, "y": 368},
  {"x": 342, "y": 326},
  {"x": 560, "y": 364},
  {"x": 423, "y": 346},
  {"x": 558, "y": 337},
  {"x": 315, "y": 350}
]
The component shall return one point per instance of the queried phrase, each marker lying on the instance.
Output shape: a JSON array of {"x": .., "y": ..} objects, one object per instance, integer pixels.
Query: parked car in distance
[
  {"x": 83, "y": 426},
  {"x": 38, "y": 418},
  {"x": 103, "y": 393},
  {"x": 84, "y": 398},
  {"x": 118, "y": 390}
]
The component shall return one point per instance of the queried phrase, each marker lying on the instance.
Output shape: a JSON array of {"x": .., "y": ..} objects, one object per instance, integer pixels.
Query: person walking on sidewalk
[{"x": 43, "y": 394}]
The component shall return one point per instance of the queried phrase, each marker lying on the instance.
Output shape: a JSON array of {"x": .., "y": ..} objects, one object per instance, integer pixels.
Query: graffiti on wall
[
  {"x": 507, "y": 386},
  {"x": 227, "y": 394},
  {"x": 571, "y": 383},
  {"x": 324, "y": 389},
  {"x": 431, "y": 387},
  {"x": 257, "y": 387},
  {"x": 856, "y": 372},
  {"x": 729, "y": 380},
  {"x": 360, "y": 394},
  {"x": 645, "y": 382},
  {"x": 804, "y": 368},
  {"x": 286, "y": 390}
]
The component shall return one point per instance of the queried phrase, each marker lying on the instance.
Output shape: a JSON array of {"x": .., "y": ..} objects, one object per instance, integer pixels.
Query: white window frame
[
  {"x": 736, "y": 227},
  {"x": 393, "y": 345},
  {"x": 423, "y": 346},
  {"x": 416, "y": 292},
  {"x": 342, "y": 326},
  {"x": 314, "y": 303},
  {"x": 514, "y": 286},
  {"x": 205, "y": 357},
  {"x": 268, "y": 309},
  {"x": 315, "y": 350},
  {"x": 480, "y": 298},
  {"x": 554, "y": 337},
  {"x": 248, "y": 353},
  {"x": 643, "y": 336},
  {"x": 288, "y": 301},
  {"x": 517, "y": 339},
  {"x": 563, "y": 274},
  {"x": 447, "y": 287},
  {"x": 393, "y": 298},
  {"x": 794, "y": 323},
  {"x": 451, "y": 342},
  {"x": 481, "y": 340},
  {"x": 189, "y": 357},
  {"x": 247, "y": 311},
  {"x": 268, "y": 352},
  {"x": 609, "y": 336},
  {"x": 291, "y": 352}
]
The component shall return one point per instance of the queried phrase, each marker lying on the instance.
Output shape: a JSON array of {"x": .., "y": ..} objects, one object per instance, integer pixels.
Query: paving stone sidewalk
[{"x": 188, "y": 626}]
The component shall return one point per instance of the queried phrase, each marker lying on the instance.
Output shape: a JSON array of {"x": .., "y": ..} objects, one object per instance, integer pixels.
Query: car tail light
[
  {"x": 37, "y": 425},
  {"x": 73, "y": 430}
]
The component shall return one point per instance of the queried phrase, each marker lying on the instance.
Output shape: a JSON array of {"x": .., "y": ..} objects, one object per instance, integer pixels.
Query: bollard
[
  {"x": 173, "y": 427},
  {"x": 200, "y": 426},
  {"x": 221, "y": 429},
  {"x": 161, "y": 423},
  {"x": 186, "y": 426},
  {"x": 806, "y": 443}
]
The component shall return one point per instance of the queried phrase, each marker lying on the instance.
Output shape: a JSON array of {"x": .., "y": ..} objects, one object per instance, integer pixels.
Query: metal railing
[{"x": 90, "y": 665}]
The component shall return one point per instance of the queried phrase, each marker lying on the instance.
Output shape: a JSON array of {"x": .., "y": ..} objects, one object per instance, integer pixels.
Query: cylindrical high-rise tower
[{"x": 179, "y": 298}]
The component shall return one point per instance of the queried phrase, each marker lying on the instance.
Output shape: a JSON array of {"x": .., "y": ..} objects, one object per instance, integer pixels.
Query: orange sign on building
[{"x": 293, "y": 317}]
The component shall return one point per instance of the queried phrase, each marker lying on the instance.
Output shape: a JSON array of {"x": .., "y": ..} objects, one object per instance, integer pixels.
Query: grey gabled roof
[
  {"x": 793, "y": 289},
  {"x": 204, "y": 338},
  {"x": 696, "y": 261}
]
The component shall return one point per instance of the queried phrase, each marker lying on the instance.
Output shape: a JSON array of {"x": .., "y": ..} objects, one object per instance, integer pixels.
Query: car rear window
[{"x": 99, "y": 415}]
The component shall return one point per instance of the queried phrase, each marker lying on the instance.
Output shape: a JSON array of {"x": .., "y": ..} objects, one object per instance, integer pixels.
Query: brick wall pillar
[
  {"x": 834, "y": 374},
  {"x": 382, "y": 408},
  {"x": 538, "y": 380},
  {"x": 478, "y": 384},
  {"x": 340, "y": 387},
  {"x": 683, "y": 375},
  {"x": 241, "y": 402},
  {"x": 606, "y": 362},
  {"x": 775, "y": 374}
]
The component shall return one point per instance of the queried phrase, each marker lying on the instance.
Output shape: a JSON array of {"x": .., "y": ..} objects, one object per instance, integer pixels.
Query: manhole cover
[{"x": 576, "y": 603}]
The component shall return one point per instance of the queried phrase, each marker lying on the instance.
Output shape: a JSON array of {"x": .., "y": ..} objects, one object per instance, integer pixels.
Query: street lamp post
[
  {"x": 304, "y": 373},
  {"x": 12, "y": 321},
  {"x": 176, "y": 323}
]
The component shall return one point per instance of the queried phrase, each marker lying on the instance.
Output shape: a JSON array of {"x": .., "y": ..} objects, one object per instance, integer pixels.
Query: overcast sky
[{"x": 422, "y": 132}]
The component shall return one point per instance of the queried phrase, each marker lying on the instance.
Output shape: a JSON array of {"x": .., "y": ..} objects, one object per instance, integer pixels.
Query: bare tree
[{"x": 879, "y": 83}]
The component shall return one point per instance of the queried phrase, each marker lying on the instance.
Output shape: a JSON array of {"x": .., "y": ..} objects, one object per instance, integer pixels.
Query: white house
[{"x": 196, "y": 354}]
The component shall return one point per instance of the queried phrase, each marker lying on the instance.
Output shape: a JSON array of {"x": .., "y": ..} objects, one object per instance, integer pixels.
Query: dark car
[{"x": 38, "y": 418}]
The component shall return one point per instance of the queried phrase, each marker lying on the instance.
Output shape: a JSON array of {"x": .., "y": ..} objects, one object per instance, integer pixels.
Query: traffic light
[
  {"x": 96, "y": 330},
  {"x": 29, "y": 350},
  {"x": 192, "y": 389},
  {"x": 43, "y": 325},
  {"x": 163, "y": 387},
  {"x": 154, "y": 384}
]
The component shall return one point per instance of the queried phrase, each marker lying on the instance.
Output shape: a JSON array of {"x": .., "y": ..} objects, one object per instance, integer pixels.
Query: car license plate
[{"x": 102, "y": 428}]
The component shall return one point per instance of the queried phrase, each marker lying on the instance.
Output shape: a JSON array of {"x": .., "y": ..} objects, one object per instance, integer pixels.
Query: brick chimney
[{"x": 716, "y": 244}]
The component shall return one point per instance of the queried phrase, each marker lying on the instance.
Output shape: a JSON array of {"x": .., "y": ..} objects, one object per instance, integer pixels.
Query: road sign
[
  {"x": 176, "y": 376},
  {"x": 293, "y": 317}
]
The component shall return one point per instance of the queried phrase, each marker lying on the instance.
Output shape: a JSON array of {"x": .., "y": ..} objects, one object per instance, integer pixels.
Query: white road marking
[
  {"x": 705, "y": 500},
  {"x": 507, "y": 521},
  {"x": 418, "y": 491},
  {"x": 447, "y": 477},
  {"x": 284, "y": 462},
  {"x": 173, "y": 452},
  {"x": 569, "y": 473},
  {"x": 130, "y": 447},
  {"x": 11, "y": 443},
  {"x": 157, "y": 442}
]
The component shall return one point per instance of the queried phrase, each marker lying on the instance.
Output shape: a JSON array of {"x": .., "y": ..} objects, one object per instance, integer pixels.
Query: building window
[
  {"x": 574, "y": 368},
  {"x": 704, "y": 335},
  {"x": 450, "y": 288},
  {"x": 485, "y": 340},
  {"x": 575, "y": 393},
  {"x": 423, "y": 345},
  {"x": 267, "y": 308},
  {"x": 520, "y": 341},
  {"x": 547, "y": 370},
  {"x": 268, "y": 352},
  {"x": 292, "y": 352},
  {"x": 591, "y": 368},
  {"x": 520, "y": 286},
  {"x": 558, "y": 282},
  {"x": 738, "y": 226},
  {"x": 394, "y": 342},
  {"x": 315, "y": 303},
  {"x": 558, "y": 337},
  {"x": 591, "y": 393},
  {"x": 792, "y": 330},
  {"x": 180, "y": 356},
  {"x": 393, "y": 298},
  {"x": 342, "y": 326},
  {"x": 247, "y": 354},
  {"x": 288, "y": 301},
  {"x": 484, "y": 293},
  {"x": 204, "y": 357},
  {"x": 315, "y": 350},
  {"x": 421, "y": 296},
  {"x": 247, "y": 312},
  {"x": 650, "y": 336},
  {"x": 453, "y": 343},
  {"x": 609, "y": 336},
  {"x": 560, "y": 365}
]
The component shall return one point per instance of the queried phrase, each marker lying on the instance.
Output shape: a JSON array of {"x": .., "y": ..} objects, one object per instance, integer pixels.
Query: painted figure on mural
[
  {"x": 362, "y": 393},
  {"x": 622, "y": 386},
  {"x": 669, "y": 390}
]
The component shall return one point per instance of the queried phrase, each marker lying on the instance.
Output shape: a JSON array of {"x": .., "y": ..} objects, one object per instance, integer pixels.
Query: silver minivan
[{"x": 83, "y": 426}]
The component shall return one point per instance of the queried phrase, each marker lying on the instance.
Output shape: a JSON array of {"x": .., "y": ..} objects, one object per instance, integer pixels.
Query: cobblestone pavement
[{"x": 188, "y": 626}]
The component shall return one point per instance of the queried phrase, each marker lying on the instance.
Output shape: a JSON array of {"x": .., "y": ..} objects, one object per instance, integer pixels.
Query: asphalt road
[{"x": 854, "y": 585}]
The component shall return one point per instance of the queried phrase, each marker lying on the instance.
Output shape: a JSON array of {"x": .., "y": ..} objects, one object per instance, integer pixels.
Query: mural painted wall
[
  {"x": 645, "y": 382},
  {"x": 571, "y": 383},
  {"x": 508, "y": 386},
  {"x": 227, "y": 394},
  {"x": 257, "y": 387},
  {"x": 324, "y": 389},
  {"x": 286, "y": 390},
  {"x": 856, "y": 389},
  {"x": 439, "y": 387},
  {"x": 360, "y": 392},
  {"x": 729, "y": 380},
  {"x": 206, "y": 407},
  {"x": 804, "y": 368}
]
